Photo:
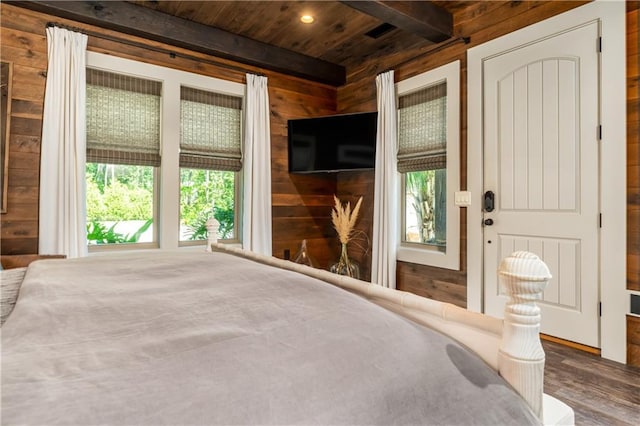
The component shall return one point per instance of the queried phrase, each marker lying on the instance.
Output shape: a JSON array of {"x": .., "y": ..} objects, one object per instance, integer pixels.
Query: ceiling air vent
[{"x": 380, "y": 30}]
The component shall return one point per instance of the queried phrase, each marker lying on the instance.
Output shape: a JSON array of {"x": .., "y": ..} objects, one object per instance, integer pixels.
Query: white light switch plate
[{"x": 463, "y": 198}]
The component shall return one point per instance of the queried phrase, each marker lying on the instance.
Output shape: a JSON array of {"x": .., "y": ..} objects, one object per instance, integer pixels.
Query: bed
[{"x": 232, "y": 337}]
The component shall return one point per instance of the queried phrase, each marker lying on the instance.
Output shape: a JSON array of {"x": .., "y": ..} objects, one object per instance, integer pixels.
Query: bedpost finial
[
  {"x": 523, "y": 277},
  {"x": 524, "y": 265},
  {"x": 213, "y": 226}
]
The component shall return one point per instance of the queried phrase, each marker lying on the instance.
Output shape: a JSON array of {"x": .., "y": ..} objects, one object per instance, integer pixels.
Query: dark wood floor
[{"x": 601, "y": 392}]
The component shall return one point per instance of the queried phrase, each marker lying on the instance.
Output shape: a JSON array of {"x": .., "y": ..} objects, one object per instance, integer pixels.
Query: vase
[
  {"x": 303, "y": 257},
  {"x": 346, "y": 266}
]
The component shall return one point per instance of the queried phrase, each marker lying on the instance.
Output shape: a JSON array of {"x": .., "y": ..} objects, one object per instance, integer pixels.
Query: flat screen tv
[{"x": 333, "y": 143}]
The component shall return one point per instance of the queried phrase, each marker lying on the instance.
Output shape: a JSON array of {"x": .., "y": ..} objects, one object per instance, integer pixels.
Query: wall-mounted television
[{"x": 333, "y": 143}]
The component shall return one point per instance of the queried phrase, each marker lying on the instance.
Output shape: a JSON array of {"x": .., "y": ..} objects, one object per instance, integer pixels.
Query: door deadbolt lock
[
  {"x": 489, "y": 201},
  {"x": 488, "y": 222}
]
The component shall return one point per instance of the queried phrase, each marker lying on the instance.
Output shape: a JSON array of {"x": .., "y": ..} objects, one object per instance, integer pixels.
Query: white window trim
[
  {"x": 168, "y": 219},
  {"x": 426, "y": 255}
]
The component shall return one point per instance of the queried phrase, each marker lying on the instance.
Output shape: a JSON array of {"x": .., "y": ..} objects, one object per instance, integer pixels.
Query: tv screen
[{"x": 333, "y": 143}]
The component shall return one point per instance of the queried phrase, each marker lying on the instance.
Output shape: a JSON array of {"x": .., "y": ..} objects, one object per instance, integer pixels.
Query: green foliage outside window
[
  {"x": 118, "y": 202},
  {"x": 203, "y": 192},
  {"x": 120, "y": 193},
  {"x": 97, "y": 233},
  {"x": 419, "y": 193},
  {"x": 426, "y": 200},
  {"x": 117, "y": 194}
]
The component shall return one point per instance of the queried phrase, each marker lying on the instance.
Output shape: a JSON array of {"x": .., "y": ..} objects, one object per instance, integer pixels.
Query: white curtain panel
[
  {"x": 385, "y": 204},
  {"x": 256, "y": 226},
  {"x": 63, "y": 150}
]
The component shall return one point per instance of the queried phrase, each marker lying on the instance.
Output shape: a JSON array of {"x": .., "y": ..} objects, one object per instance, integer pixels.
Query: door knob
[{"x": 488, "y": 222}]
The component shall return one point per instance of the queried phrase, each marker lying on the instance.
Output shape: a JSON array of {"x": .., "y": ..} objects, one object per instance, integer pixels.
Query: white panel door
[{"x": 541, "y": 161}]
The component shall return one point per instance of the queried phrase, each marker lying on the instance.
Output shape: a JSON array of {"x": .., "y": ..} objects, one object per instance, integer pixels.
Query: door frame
[{"x": 613, "y": 293}]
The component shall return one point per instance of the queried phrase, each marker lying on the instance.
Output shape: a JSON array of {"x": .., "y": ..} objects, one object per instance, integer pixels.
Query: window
[
  {"x": 123, "y": 155},
  {"x": 163, "y": 154},
  {"x": 428, "y": 140},
  {"x": 210, "y": 157}
]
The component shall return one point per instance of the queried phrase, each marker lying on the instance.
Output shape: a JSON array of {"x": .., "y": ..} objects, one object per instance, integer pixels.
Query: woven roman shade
[
  {"x": 422, "y": 129},
  {"x": 123, "y": 119},
  {"x": 210, "y": 130}
]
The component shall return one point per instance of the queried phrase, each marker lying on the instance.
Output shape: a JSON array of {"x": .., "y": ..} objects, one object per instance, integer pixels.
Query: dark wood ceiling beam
[
  {"x": 154, "y": 25},
  {"x": 422, "y": 18}
]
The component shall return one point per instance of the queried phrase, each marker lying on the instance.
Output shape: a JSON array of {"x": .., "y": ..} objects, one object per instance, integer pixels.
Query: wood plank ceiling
[
  {"x": 338, "y": 34},
  {"x": 269, "y": 34}
]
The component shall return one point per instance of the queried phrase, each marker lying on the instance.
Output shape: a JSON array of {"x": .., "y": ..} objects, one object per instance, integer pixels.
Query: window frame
[
  {"x": 424, "y": 254},
  {"x": 167, "y": 202}
]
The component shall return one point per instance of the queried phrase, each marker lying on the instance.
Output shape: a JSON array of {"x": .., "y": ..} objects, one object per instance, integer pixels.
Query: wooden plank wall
[
  {"x": 633, "y": 148},
  {"x": 633, "y": 340},
  {"x": 633, "y": 176},
  {"x": 478, "y": 21},
  {"x": 301, "y": 204}
]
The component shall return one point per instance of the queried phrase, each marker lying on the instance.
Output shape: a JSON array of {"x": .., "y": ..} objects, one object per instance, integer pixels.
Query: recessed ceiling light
[{"x": 307, "y": 19}]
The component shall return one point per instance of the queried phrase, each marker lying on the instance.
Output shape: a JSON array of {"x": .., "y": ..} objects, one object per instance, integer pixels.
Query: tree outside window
[
  {"x": 425, "y": 209},
  {"x": 206, "y": 193}
]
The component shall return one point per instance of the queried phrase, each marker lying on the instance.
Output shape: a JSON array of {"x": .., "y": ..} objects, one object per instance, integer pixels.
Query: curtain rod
[
  {"x": 158, "y": 49},
  {"x": 450, "y": 42}
]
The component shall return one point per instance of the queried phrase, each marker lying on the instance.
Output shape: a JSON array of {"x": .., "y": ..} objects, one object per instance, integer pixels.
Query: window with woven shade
[
  {"x": 210, "y": 157},
  {"x": 162, "y": 157},
  {"x": 210, "y": 130},
  {"x": 123, "y": 155},
  {"x": 123, "y": 119},
  {"x": 427, "y": 158},
  {"x": 422, "y": 125}
]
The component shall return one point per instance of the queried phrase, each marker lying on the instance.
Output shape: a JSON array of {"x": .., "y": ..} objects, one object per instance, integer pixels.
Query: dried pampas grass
[{"x": 344, "y": 220}]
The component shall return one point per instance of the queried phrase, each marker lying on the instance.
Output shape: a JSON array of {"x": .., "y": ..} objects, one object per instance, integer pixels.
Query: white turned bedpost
[
  {"x": 523, "y": 277},
  {"x": 212, "y": 232}
]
